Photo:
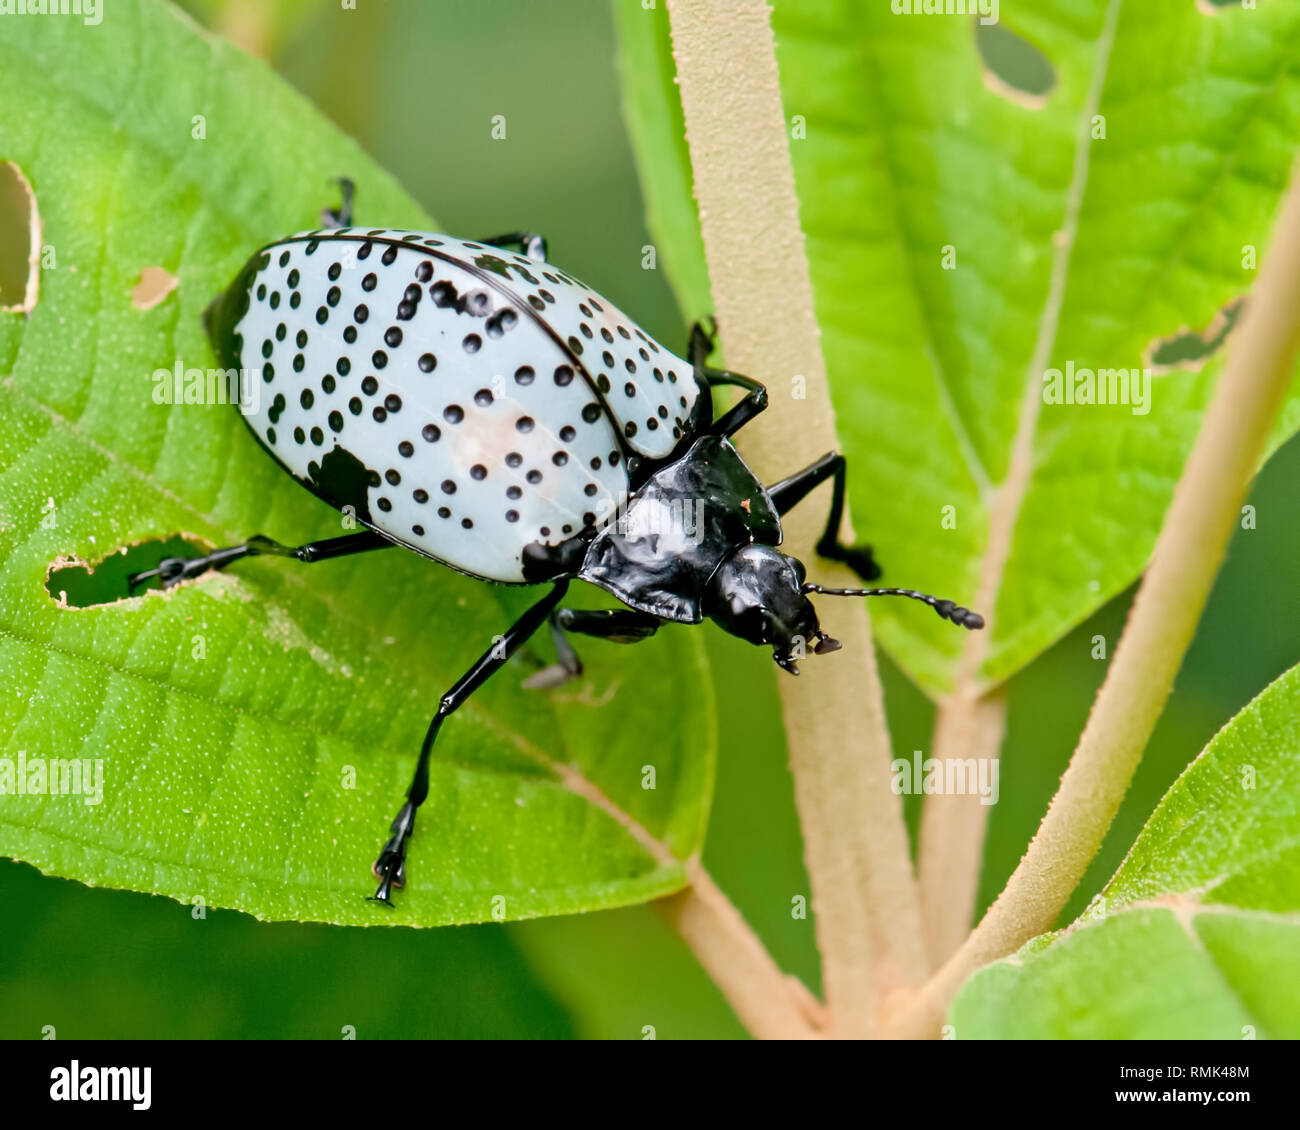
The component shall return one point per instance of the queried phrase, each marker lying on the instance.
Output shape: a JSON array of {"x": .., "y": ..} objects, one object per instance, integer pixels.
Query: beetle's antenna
[{"x": 948, "y": 609}]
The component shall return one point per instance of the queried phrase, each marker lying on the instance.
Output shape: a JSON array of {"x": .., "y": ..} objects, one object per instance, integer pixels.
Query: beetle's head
[
  {"x": 760, "y": 595},
  {"x": 757, "y": 594}
]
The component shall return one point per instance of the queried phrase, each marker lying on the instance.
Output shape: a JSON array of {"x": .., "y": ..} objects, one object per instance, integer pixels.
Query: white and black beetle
[{"x": 487, "y": 410}]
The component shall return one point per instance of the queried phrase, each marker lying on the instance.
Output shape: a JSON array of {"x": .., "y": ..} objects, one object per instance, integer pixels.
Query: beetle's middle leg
[
  {"x": 390, "y": 867},
  {"x": 755, "y": 400},
  {"x": 618, "y": 625},
  {"x": 173, "y": 570},
  {"x": 788, "y": 493}
]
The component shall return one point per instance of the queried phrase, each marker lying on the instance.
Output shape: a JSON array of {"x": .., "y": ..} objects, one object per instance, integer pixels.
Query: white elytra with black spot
[{"x": 496, "y": 404}]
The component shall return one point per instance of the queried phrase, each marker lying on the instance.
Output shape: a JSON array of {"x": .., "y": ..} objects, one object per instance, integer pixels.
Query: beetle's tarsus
[
  {"x": 384, "y": 892},
  {"x": 703, "y": 339},
  {"x": 859, "y": 558},
  {"x": 390, "y": 867},
  {"x": 136, "y": 579},
  {"x": 170, "y": 571}
]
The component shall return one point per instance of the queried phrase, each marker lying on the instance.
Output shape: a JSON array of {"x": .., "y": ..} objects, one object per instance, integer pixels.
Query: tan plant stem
[
  {"x": 1187, "y": 555},
  {"x": 245, "y": 23},
  {"x": 969, "y": 725},
  {"x": 855, "y": 846},
  {"x": 771, "y": 1004}
]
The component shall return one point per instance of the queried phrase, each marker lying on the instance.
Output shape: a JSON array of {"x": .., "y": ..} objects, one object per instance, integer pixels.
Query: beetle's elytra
[{"x": 478, "y": 406}]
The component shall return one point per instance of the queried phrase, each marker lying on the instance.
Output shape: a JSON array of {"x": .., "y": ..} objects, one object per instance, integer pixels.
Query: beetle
[{"x": 469, "y": 401}]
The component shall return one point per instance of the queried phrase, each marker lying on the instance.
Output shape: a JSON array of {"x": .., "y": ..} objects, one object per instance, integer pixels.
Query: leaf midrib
[{"x": 1005, "y": 511}]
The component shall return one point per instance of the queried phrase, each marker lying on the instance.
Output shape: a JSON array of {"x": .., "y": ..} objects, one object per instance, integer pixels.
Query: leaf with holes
[
  {"x": 246, "y": 738},
  {"x": 1084, "y": 188},
  {"x": 1200, "y": 936}
]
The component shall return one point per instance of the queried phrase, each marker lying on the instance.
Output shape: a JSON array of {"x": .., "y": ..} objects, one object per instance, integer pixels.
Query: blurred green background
[{"x": 418, "y": 83}]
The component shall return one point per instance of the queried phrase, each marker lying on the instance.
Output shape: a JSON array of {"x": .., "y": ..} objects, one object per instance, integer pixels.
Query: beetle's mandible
[{"x": 471, "y": 402}]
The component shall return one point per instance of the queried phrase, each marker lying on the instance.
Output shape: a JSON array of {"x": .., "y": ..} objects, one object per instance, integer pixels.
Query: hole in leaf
[
  {"x": 20, "y": 242},
  {"x": 155, "y": 284},
  {"x": 74, "y": 584},
  {"x": 1013, "y": 67},
  {"x": 1188, "y": 349}
]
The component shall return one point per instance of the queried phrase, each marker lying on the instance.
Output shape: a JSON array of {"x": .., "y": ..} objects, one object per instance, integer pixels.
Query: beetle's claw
[
  {"x": 169, "y": 571},
  {"x": 390, "y": 870},
  {"x": 139, "y": 578}
]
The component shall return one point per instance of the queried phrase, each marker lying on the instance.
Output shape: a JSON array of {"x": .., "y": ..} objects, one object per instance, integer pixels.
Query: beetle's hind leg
[
  {"x": 619, "y": 625},
  {"x": 172, "y": 570},
  {"x": 340, "y": 217},
  {"x": 529, "y": 242},
  {"x": 390, "y": 867},
  {"x": 788, "y": 493}
]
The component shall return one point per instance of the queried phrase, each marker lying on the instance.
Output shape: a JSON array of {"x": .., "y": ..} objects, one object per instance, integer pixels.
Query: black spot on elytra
[
  {"x": 474, "y": 303},
  {"x": 343, "y": 480},
  {"x": 497, "y": 324}
]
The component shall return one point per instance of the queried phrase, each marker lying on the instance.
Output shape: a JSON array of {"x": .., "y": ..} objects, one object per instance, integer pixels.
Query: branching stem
[
  {"x": 1200, "y": 520},
  {"x": 855, "y": 845}
]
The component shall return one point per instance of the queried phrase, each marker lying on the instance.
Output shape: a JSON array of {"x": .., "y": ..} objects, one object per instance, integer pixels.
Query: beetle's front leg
[
  {"x": 390, "y": 867},
  {"x": 755, "y": 400},
  {"x": 788, "y": 493}
]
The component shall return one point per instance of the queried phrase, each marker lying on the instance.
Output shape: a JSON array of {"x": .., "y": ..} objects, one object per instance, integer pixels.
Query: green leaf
[
  {"x": 1198, "y": 933},
  {"x": 905, "y": 151},
  {"x": 231, "y": 714}
]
